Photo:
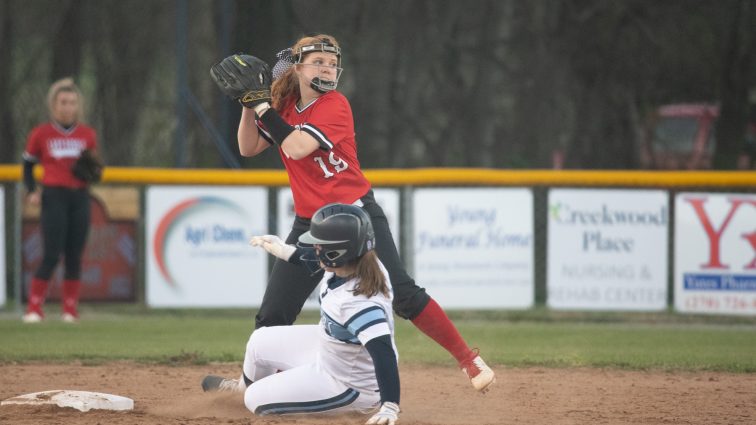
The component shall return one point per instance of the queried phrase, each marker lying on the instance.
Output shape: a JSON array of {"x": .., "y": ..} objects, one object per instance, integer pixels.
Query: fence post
[{"x": 17, "y": 247}]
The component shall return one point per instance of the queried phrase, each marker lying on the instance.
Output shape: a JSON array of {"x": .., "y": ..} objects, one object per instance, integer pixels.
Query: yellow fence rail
[{"x": 428, "y": 177}]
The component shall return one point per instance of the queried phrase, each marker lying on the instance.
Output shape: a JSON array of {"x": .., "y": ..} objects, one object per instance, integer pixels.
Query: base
[{"x": 79, "y": 400}]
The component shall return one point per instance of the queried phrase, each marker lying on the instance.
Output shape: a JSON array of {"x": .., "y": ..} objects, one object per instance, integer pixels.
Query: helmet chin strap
[{"x": 322, "y": 86}]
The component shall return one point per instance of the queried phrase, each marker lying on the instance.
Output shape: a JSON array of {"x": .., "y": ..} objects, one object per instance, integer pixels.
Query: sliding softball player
[{"x": 348, "y": 362}]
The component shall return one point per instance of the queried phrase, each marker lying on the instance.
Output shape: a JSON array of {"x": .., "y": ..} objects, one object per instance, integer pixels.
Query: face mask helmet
[
  {"x": 325, "y": 46},
  {"x": 340, "y": 234}
]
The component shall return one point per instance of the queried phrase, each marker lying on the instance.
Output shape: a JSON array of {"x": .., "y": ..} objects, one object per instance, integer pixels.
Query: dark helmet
[{"x": 344, "y": 232}]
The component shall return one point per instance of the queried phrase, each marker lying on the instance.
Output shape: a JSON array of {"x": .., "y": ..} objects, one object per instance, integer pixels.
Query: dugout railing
[{"x": 540, "y": 181}]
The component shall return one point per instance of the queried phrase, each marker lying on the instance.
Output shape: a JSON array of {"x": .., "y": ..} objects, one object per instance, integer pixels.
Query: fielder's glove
[
  {"x": 387, "y": 415},
  {"x": 88, "y": 167},
  {"x": 274, "y": 245},
  {"x": 244, "y": 78}
]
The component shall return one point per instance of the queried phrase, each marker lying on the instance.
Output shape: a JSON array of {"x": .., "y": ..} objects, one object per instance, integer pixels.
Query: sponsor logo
[
  {"x": 728, "y": 282},
  {"x": 714, "y": 232},
  {"x": 565, "y": 214},
  {"x": 195, "y": 236}
]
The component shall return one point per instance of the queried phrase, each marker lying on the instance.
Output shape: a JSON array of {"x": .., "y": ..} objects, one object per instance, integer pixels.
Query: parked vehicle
[{"x": 682, "y": 136}]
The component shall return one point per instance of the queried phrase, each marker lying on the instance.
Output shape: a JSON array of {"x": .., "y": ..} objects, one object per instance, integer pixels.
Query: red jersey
[
  {"x": 57, "y": 149},
  {"x": 331, "y": 173}
]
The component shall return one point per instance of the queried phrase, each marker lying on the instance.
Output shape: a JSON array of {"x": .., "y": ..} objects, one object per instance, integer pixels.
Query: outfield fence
[{"x": 476, "y": 238}]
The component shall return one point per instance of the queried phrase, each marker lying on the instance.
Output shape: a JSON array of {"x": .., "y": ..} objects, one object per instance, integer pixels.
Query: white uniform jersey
[{"x": 347, "y": 323}]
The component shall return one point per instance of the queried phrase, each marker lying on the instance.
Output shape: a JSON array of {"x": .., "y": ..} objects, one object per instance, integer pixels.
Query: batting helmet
[{"x": 342, "y": 233}]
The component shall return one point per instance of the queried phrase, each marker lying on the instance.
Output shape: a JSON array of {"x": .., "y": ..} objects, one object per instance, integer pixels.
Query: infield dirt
[{"x": 171, "y": 395}]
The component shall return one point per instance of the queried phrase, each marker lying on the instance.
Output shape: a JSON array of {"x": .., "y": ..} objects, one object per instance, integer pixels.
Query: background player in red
[
  {"x": 64, "y": 219},
  {"x": 312, "y": 125}
]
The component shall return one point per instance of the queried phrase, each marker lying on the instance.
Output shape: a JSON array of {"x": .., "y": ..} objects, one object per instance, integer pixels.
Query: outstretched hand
[
  {"x": 387, "y": 415},
  {"x": 274, "y": 245}
]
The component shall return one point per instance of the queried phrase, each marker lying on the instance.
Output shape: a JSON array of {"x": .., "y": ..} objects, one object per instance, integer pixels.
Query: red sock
[
  {"x": 71, "y": 290},
  {"x": 436, "y": 324},
  {"x": 37, "y": 293}
]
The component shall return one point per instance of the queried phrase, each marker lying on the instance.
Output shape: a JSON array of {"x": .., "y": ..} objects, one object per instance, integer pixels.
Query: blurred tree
[
  {"x": 737, "y": 78},
  {"x": 261, "y": 28},
  {"x": 68, "y": 41},
  {"x": 542, "y": 112},
  {"x": 601, "y": 48},
  {"x": 125, "y": 46},
  {"x": 8, "y": 152},
  {"x": 432, "y": 83}
]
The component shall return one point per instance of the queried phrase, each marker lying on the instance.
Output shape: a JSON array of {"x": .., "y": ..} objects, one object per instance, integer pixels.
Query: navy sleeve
[
  {"x": 302, "y": 255},
  {"x": 306, "y": 258},
  {"x": 386, "y": 368},
  {"x": 29, "y": 176}
]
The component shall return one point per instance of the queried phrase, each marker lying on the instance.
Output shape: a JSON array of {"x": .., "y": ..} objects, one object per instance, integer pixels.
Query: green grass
[{"x": 538, "y": 337}]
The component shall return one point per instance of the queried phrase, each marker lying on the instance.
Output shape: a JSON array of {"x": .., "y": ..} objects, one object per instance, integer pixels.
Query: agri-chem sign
[
  {"x": 607, "y": 249},
  {"x": 197, "y": 246},
  {"x": 715, "y": 253}
]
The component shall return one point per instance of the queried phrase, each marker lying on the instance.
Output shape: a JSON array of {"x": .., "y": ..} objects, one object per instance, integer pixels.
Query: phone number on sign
[{"x": 727, "y": 303}]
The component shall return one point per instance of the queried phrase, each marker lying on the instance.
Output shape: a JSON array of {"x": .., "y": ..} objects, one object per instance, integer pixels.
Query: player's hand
[
  {"x": 387, "y": 415},
  {"x": 274, "y": 245},
  {"x": 34, "y": 198}
]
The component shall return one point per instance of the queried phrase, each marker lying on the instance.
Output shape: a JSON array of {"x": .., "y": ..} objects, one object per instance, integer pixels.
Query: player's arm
[
  {"x": 386, "y": 369},
  {"x": 292, "y": 254},
  {"x": 29, "y": 182},
  {"x": 31, "y": 157},
  {"x": 246, "y": 79},
  {"x": 297, "y": 143},
  {"x": 371, "y": 328},
  {"x": 251, "y": 140}
]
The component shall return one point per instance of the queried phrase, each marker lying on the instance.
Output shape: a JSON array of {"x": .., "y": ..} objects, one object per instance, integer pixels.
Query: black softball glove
[
  {"x": 88, "y": 167},
  {"x": 244, "y": 78}
]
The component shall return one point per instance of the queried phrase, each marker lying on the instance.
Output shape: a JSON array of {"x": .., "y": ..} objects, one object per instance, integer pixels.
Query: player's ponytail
[
  {"x": 283, "y": 88},
  {"x": 372, "y": 281}
]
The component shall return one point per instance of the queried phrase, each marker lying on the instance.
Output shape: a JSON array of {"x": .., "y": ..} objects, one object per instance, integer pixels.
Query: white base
[{"x": 79, "y": 400}]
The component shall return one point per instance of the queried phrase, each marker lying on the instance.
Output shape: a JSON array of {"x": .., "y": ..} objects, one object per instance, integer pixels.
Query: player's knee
[
  {"x": 257, "y": 339},
  {"x": 253, "y": 340},
  {"x": 251, "y": 400},
  {"x": 260, "y": 399},
  {"x": 409, "y": 301}
]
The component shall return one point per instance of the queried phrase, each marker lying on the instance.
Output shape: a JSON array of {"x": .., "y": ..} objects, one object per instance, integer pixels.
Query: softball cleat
[
  {"x": 69, "y": 318},
  {"x": 213, "y": 383},
  {"x": 481, "y": 376},
  {"x": 31, "y": 317}
]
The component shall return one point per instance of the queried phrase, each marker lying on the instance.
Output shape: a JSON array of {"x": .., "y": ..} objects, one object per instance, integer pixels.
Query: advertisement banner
[
  {"x": 387, "y": 198},
  {"x": 109, "y": 261},
  {"x": 607, "y": 249},
  {"x": 198, "y": 252},
  {"x": 473, "y": 247},
  {"x": 3, "y": 277},
  {"x": 715, "y": 253}
]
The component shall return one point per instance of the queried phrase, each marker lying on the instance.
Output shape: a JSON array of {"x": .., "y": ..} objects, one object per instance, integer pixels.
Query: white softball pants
[{"x": 301, "y": 386}]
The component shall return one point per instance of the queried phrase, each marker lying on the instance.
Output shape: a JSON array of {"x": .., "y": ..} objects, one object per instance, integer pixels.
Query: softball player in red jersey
[
  {"x": 312, "y": 125},
  {"x": 64, "y": 218},
  {"x": 347, "y": 362}
]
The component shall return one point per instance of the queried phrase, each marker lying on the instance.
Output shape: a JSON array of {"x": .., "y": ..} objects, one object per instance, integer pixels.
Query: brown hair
[
  {"x": 371, "y": 278},
  {"x": 65, "y": 85},
  {"x": 288, "y": 84}
]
